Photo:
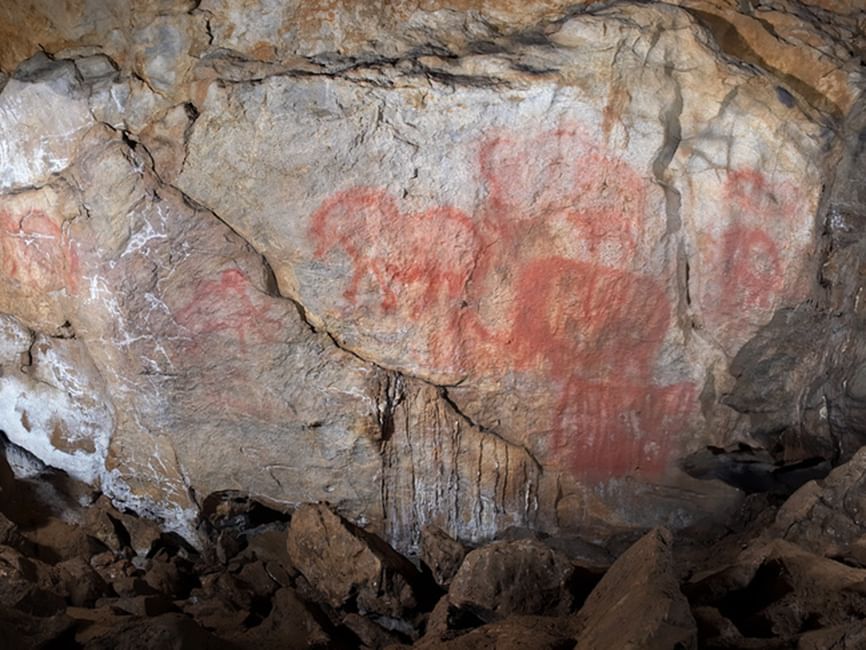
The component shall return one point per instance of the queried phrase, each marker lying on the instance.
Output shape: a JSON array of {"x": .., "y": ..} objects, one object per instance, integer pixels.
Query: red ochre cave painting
[
  {"x": 749, "y": 266},
  {"x": 556, "y": 243},
  {"x": 394, "y": 249},
  {"x": 229, "y": 307},
  {"x": 36, "y": 254},
  {"x": 227, "y": 318}
]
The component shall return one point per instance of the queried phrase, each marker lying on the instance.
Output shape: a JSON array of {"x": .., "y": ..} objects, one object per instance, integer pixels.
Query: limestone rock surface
[{"x": 473, "y": 264}]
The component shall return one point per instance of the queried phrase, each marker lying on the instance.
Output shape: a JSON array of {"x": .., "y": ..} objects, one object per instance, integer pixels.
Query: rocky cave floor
[{"x": 77, "y": 573}]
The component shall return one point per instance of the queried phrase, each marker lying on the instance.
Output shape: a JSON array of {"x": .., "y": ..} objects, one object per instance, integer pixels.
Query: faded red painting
[
  {"x": 397, "y": 255},
  {"x": 615, "y": 429},
  {"x": 229, "y": 306},
  {"x": 547, "y": 277},
  {"x": 747, "y": 257},
  {"x": 225, "y": 319},
  {"x": 580, "y": 318},
  {"x": 36, "y": 253}
]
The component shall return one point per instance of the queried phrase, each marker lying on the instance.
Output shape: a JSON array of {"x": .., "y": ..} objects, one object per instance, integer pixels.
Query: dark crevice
[
  {"x": 754, "y": 470},
  {"x": 732, "y": 43},
  {"x": 65, "y": 331},
  {"x": 391, "y": 397},
  {"x": 687, "y": 272}
]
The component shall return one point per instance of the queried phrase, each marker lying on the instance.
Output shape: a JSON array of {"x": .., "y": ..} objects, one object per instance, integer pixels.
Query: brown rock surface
[
  {"x": 342, "y": 562},
  {"x": 747, "y": 589},
  {"x": 638, "y": 603},
  {"x": 465, "y": 263},
  {"x": 442, "y": 554},
  {"x": 166, "y": 630},
  {"x": 829, "y": 516},
  {"x": 289, "y": 625},
  {"x": 524, "y": 577},
  {"x": 779, "y": 590},
  {"x": 516, "y": 633}
]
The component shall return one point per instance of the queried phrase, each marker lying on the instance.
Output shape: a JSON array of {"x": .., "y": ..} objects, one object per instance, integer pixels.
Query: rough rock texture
[
  {"x": 470, "y": 264},
  {"x": 806, "y": 588},
  {"x": 506, "y": 578},
  {"x": 746, "y": 589},
  {"x": 641, "y": 588},
  {"x": 343, "y": 563},
  {"x": 516, "y": 633},
  {"x": 829, "y": 516},
  {"x": 439, "y": 552}
]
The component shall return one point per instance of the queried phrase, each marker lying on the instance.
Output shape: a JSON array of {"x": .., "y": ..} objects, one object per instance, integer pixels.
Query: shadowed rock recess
[{"x": 456, "y": 323}]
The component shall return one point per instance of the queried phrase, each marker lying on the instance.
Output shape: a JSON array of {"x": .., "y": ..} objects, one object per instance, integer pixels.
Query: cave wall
[{"x": 482, "y": 264}]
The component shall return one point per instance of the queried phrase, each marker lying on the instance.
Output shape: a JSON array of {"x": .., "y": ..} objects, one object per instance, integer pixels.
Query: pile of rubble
[{"x": 77, "y": 573}]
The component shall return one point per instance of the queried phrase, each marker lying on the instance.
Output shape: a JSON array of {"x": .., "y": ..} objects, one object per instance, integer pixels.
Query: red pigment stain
[
  {"x": 752, "y": 271},
  {"x": 582, "y": 321},
  {"x": 36, "y": 253},
  {"x": 578, "y": 317},
  {"x": 230, "y": 305},
  {"x": 751, "y": 195},
  {"x": 749, "y": 268},
  {"x": 424, "y": 256},
  {"x": 534, "y": 182},
  {"x": 611, "y": 429}
]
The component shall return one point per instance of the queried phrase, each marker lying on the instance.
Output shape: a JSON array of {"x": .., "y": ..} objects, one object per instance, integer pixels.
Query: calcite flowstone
[{"x": 465, "y": 264}]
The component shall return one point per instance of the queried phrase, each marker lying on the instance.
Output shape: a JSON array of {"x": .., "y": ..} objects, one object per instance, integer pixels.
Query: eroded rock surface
[
  {"x": 506, "y": 578},
  {"x": 641, "y": 588},
  {"x": 474, "y": 265}
]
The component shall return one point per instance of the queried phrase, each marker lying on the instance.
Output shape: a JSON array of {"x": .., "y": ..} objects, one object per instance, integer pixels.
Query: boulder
[
  {"x": 503, "y": 579},
  {"x": 638, "y": 603},
  {"x": 514, "y": 633},
  {"x": 778, "y": 590},
  {"x": 840, "y": 637},
  {"x": 442, "y": 554},
  {"x": 348, "y": 566},
  {"x": 119, "y": 530},
  {"x": 829, "y": 516},
  {"x": 56, "y": 540},
  {"x": 290, "y": 625},
  {"x": 9, "y": 535},
  {"x": 369, "y": 633},
  {"x": 78, "y": 582},
  {"x": 164, "y": 631},
  {"x": 20, "y": 630},
  {"x": 26, "y": 585}
]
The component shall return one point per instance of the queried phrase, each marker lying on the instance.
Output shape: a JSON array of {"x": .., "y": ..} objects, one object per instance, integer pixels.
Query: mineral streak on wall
[{"x": 474, "y": 264}]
